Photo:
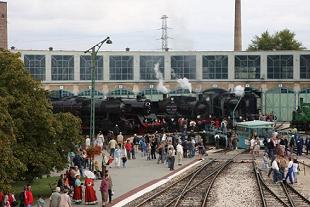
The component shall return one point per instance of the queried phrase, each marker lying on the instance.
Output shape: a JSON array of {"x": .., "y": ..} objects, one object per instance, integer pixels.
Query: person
[
  {"x": 117, "y": 156},
  {"x": 21, "y": 197},
  {"x": 110, "y": 191},
  {"x": 148, "y": 151},
  {"x": 266, "y": 161},
  {"x": 65, "y": 200},
  {"x": 11, "y": 199},
  {"x": 252, "y": 144},
  {"x": 292, "y": 144},
  {"x": 143, "y": 147},
  {"x": 295, "y": 169},
  {"x": 171, "y": 157},
  {"x": 160, "y": 153},
  {"x": 104, "y": 189},
  {"x": 55, "y": 198},
  {"x": 90, "y": 193},
  {"x": 276, "y": 171},
  {"x": 78, "y": 161},
  {"x": 1, "y": 198},
  {"x": 256, "y": 146},
  {"x": 112, "y": 145},
  {"x": 153, "y": 148},
  {"x": 201, "y": 151},
  {"x": 133, "y": 151},
  {"x": 136, "y": 142},
  {"x": 77, "y": 195},
  {"x": 299, "y": 144},
  {"x": 290, "y": 173},
  {"x": 128, "y": 148},
  {"x": 120, "y": 139},
  {"x": 61, "y": 182},
  {"x": 100, "y": 140},
  {"x": 123, "y": 157},
  {"x": 40, "y": 201},
  {"x": 28, "y": 197},
  {"x": 179, "y": 153},
  {"x": 234, "y": 140},
  {"x": 97, "y": 170},
  {"x": 87, "y": 142}
]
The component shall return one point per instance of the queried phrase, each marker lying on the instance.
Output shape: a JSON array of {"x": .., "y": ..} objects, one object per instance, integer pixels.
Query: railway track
[
  {"x": 279, "y": 194},
  {"x": 189, "y": 190}
]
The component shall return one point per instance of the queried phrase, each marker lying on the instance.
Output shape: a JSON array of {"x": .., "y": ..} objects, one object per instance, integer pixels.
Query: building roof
[{"x": 256, "y": 124}]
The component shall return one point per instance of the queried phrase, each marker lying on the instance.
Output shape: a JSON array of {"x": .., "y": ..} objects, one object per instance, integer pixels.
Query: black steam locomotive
[
  {"x": 127, "y": 114},
  {"x": 216, "y": 103}
]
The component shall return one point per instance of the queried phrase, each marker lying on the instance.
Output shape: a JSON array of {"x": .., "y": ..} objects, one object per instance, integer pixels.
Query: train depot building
[{"x": 282, "y": 77}]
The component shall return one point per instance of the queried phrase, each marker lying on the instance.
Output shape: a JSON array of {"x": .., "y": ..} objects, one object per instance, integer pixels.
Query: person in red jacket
[
  {"x": 28, "y": 199},
  {"x": 128, "y": 148}
]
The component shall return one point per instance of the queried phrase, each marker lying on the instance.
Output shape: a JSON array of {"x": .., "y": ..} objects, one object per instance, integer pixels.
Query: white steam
[
  {"x": 160, "y": 86},
  {"x": 239, "y": 90},
  {"x": 185, "y": 84}
]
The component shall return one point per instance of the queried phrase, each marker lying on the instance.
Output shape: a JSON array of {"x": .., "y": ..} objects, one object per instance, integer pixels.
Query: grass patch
[{"x": 39, "y": 186}]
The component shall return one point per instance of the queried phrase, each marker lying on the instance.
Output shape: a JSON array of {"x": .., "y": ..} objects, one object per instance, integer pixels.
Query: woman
[
  {"x": 104, "y": 188},
  {"x": 77, "y": 196},
  {"x": 90, "y": 193},
  {"x": 65, "y": 200}
]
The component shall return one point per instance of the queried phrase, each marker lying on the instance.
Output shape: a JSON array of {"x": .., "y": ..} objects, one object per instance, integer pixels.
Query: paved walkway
[{"x": 138, "y": 173}]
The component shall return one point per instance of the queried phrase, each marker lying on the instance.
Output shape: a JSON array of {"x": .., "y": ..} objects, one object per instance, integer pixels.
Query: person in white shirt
[
  {"x": 295, "y": 169},
  {"x": 179, "y": 153},
  {"x": 100, "y": 140},
  {"x": 87, "y": 142},
  {"x": 276, "y": 171}
]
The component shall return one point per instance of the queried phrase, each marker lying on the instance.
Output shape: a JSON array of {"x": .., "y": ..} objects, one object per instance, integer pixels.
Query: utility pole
[
  {"x": 93, "y": 51},
  {"x": 164, "y": 35}
]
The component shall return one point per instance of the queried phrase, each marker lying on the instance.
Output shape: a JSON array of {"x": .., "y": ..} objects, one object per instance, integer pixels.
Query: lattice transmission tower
[{"x": 164, "y": 35}]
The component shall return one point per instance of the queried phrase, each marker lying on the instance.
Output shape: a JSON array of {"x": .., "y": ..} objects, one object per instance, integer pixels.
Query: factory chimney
[
  {"x": 3, "y": 25},
  {"x": 238, "y": 34}
]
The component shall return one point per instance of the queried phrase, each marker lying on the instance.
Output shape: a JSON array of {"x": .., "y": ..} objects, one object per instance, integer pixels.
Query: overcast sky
[{"x": 195, "y": 24}]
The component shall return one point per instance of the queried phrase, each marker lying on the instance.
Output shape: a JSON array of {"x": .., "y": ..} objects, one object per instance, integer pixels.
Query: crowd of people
[{"x": 279, "y": 158}]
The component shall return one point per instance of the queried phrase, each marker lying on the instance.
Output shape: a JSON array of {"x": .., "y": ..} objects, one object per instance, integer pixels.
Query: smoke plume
[
  {"x": 159, "y": 76},
  {"x": 239, "y": 91},
  {"x": 185, "y": 84}
]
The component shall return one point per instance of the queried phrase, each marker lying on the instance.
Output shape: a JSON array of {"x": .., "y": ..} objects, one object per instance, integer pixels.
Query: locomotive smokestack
[{"x": 238, "y": 34}]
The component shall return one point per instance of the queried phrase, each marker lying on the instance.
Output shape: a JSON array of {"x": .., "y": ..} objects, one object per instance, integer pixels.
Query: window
[
  {"x": 85, "y": 67},
  {"x": 62, "y": 67},
  {"x": 56, "y": 94},
  {"x": 121, "y": 67},
  {"x": 87, "y": 93},
  {"x": 247, "y": 67},
  {"x": 305, "y": 67},
  {"x": 280, "y": 67},
  {"x": 183, "y": 66},
  {"x": 121, "y": 92},
  {"x": 215, "y": 67},
  {"x": 147, "y": 65},
  {"x": 35, "y": 64}
]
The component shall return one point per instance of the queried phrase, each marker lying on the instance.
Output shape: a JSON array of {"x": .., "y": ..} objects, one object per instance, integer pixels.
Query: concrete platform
[{"x": 139, "y": 174}]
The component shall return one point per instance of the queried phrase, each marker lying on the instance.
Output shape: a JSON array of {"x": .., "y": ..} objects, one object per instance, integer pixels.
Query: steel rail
[
  {"x": 297, "y": 193},
  {"x": 290, "y": 200},
  {"x": 172, "y": 184},
  {"x": 264, "y": 202}
]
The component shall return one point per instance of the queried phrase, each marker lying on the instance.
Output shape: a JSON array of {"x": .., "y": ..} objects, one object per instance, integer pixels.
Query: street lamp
[{"x": 93, "y": 51}]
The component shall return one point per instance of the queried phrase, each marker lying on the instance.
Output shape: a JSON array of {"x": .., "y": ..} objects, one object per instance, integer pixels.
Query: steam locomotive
[
  {"x": 216, "y": 103},
  {"x": 301, "y": 117},
  {"x": 127, "y": 114},
  {"x": 142, "y": 115}
]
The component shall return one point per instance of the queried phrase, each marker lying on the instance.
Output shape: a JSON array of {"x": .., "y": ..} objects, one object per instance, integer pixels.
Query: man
[
  {"x": 55, "y": 198},
  {"x": 100, "y": 140},
  {"x": 78, "y": 161},
  {"x": 112, "y": 146}
]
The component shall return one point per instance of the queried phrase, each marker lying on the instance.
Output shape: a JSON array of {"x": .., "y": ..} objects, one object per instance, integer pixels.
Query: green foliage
[
  {"x": 38, "y": 140},
  {"x": 283, "y": 40}
]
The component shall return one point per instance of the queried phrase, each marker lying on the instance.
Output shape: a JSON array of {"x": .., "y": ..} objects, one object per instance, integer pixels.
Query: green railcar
[{"x": 301, "y": 116}]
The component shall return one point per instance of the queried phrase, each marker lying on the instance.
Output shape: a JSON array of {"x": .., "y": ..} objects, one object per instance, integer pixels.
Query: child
[
  {"x": 40, "y": 201},
  {"x": 295, "y": 169},
  {"x": 124, "y": 157}
]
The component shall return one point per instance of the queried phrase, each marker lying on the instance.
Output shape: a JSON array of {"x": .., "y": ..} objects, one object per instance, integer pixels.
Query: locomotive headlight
[
  {"x": 208, "y": 98},
  {"x": 147, "y": 104}
]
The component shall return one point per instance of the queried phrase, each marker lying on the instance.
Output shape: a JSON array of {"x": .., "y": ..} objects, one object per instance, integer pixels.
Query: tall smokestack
[
  {"x": 3, "y": 25},
  {"x": 238, "y": 34}
]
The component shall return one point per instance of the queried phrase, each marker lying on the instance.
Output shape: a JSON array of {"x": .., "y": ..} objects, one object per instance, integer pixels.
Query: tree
[
  {"x": 283, "y": 40},
  {"x": 43, "y": 139}
]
